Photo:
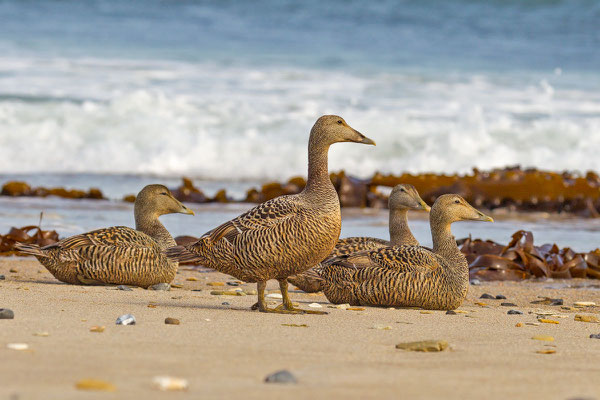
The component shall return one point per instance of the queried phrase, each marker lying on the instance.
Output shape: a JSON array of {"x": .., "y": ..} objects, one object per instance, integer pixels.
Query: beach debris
[
  {"x": 250, "y": 292},
  {"x": 227, "y": 293},
  {"x": 296, "y": 325},
  {"x": 355, "y": 308},
  {"x": 13, "y": 270},
  {"x": 233, "y": 283},
  {"x": 544, "y": 338},
  {"x": 514, "y": 312},
  {"x": 595, "y": 336},
  {"x": 587, "y": 318},
  {"x": 95, "y": 384},
  {"x": 17, "y": 346},
  {"x": 6, "y": 313},
  {"x": 450, "y": 312},
  {"x": 508, "y": 304},
  {"x": 424, "y": 345},
  {"x": 160, "y": 286},
  {"x": 124, "y": 287},
  {"x": 461, "y": 311},
  {"x": 546, "y": 351},
  {"x": 381, "y": 327},
  {"x": 315, "y": 305},
  {"x": 487, "y": 296},
  {"x": 97, "y": 328},
  {"x": 215, "y": 283},
  {"x": 126, "y": 319},
  {"x": 519, "y": 324},
  {"x": 548, "y": 321},
  {"x": 274, "y": 296},
  {"x": 584, "y": 303},
  {"x": 152, "y": 305},
  {"x": 548, "y": 301},
  {"x": 283, "y": 376},
  {"x": 169, "y": 383},
  {"x": 481, "y": 304},
  {"x": 225, "y": 303},
  {"x": 41, "y": 334},
  {"x": 176, "y": 285},
  {"x": 192, "y": 279},
  {"x": 533, "y": 323},
  {"x": 344, "y": 306},
  {"x": 171, "y": 321},
  {"x": 500, "y": 297},
  {"x": 425, "y": 312},
  {"x": 2, "y": 277}
]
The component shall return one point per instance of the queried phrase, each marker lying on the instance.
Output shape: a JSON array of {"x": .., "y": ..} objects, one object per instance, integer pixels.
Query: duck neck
[
  {"x": 444, "y": 243},
  {"x": 318, "y": 181},
  {"x": 399, "y": 230},
  {"x": 148, "y": 223}
]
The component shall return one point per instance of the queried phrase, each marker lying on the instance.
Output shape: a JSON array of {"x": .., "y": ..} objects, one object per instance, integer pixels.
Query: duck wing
[
  {"x": 398, "y": 258},
  {"x": 116, "y": 236}
]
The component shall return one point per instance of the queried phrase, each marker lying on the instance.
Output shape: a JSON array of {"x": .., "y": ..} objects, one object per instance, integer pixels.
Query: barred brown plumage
[
  {"x": 118, "y": 255},
  {"x": 407, "y": 275},
  {"x": 285, "y": 235},
  {"x": 403, "y": 197}
]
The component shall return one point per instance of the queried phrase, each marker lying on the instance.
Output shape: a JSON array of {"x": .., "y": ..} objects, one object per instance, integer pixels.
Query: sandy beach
[{"x": 226, "y": 351}]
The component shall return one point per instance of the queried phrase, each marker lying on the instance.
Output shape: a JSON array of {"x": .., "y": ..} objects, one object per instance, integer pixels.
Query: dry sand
[{"x": 225, "y": 351}]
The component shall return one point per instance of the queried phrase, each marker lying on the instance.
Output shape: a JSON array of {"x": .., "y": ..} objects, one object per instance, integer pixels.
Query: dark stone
[
  {"x": 233, "y": 284},
  {"x": 487, "y": 296},
  {"x": 2, "y": 277},
  {"x": 595, "y": 336},
  {"x": 508, "y": 304},
  {"x": 500, "y": 297},
  {"x": 224, "y": 303},
  {"x": 450, "y": 312},
  {"x": 282, "y": 376},
  {"x": 514, "y": 312},
  {"x": 160, "y": 286},
  {"x": 125, "y": 288},
  {"x": 196, "y": 290},
  {"x": 6, "y": 313},
  {"x": 556, "y": 302}
]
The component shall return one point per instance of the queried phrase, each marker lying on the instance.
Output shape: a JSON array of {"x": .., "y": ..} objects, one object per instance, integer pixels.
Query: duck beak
[
  {"x": 485, "y": 218},
  {"x": 185, "y": 210},
  {"x": 363, "y": 139},
  {"x": 425, "y": 206}
]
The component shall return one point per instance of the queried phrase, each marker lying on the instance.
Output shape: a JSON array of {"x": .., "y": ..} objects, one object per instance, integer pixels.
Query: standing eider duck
[
  {"x": 409, "y": 276},
  {"x": 286, "y": 235},
  {"x": 118, "y": 255},
  {"x": 403, "y": 198}
]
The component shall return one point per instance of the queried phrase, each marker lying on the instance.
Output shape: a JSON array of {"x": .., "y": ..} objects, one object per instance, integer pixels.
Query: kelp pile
[
  {"x": 27, "y": 234},
  {"x": 520, "y": 259},
  {"x": 17, "y": 189}
]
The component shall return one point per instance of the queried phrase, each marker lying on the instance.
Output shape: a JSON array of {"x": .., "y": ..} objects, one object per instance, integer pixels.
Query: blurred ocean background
[{"x": 117, "y": 94}]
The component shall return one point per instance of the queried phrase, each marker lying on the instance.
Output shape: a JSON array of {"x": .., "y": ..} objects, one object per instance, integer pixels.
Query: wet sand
[{"x": 225, "y": 351}]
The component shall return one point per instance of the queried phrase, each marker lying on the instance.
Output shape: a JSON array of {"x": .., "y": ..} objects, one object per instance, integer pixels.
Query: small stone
[
  {"x": 544, "y": 338},
  {"x": 17, "y": 346},
  {"x": 548, "y": 321},
  {"x": 548, "y": 301},
  {"x": 2, "y": 277},
  {"x": 519, "y": 324},
  {"x": 426, "y": 312},
  {"x": 216, "y": 283},
  {"x": 41, "y": 334},
  {"x": 176, "y": 285},
  {"x": 6, "y": 313},
  {"x": 315, "y": 305},
  {"x": 126, "y": 319},
  {"x": 587, "y": 318},
  {"x": 169, "y": 383},
  {"x": 250, "y": 292},
  {"x": 508, "y": 304},
  {"x": 125, "y": 288},
  {"x": 546, "y": 351},
  {"x": 95, "y": 384},
  {"x": 595, "y": 336},
  {"x": 160, "y": 286},
  {"x": 152, "y": 305},
  {"x": 227, "y": 293},
  {"x": 192, "y": 279},
  {"x": 381, "y": 327},
  {"x": 196, "y": 290},
  {"x": 500, "y": 297},
  {"x": 282, "y": 376},
  {"x": 13, "y": 270},
  {"x": 97, "y": 329},
  {"x": 461, "y": 311},
  {"x": 296, "y": 325},
  {"x": 584, "y": 303},
  {"x": 232, "y": 283},
  {"x": 274, "y": 296},
  {"x": 475, "y": 282},
  {"x": 344, "y": 306},
  {"x": 171, "y": 321},
  {"x": 355, "y": 308},
  {"x": 450, "y": 312},
  {"x": 481, "y": 304},
  {"x": 225, "y": 303},
  {"x": 486, "y": 296},
  {"x": 424, "y": 345},
  {"x": 514, "y": 312}
]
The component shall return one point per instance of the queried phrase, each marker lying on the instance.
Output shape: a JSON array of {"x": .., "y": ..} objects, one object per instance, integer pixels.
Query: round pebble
[
  {"x": 487, "y": 296},
  {"x": 125, "y": 288},
  {"x": 160, "y": 286},
  {"x": 500, "y": 297},
  {"x": 450, "y": 312},
  {"x": 595, "y": 336},
  {"x": 514, "y": 312},
  {"x": 282, "y": 376},
  {"x": 2, "y": 277},
  {"x": 126, "y": 319},
  {"x": 508, "y": 304},
  {"x": 171, "y": 321},
  {"x": 6, "y": 313},
  {"x": 475, "y": 282},
  {"x": 225, "y": 303},
  {"x": 233, "y": 284}
]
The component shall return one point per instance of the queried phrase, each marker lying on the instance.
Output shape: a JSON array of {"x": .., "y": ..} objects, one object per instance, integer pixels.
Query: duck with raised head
[
  {"x": 286, "y": 235},
  {"x": 407, "y": 276},
  {"x": 118, "y": 255},
  {"x": 404, "y": 197}
]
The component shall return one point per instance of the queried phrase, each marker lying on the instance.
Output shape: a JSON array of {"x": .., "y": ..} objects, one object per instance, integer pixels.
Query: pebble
[
  {"x": 424, "y": 345},
  {"x": 426, "y": 312},
  {"x": 227, "y": 293},
  {"x": 41, "y": 334},
  {"x": 6, "y": 313},
  {"x": 519, "y": 324},
  {"x": 548, "y": 321},
  {"x": 296, "y": 325},
  {"x": 192, "y": 279},
  {"x": 500, "y": 297},
  {"x": 95, "y": 384},
  {"x": 215, "y": 283},
  {"x": 196, "y": 290},
  {"x": 355, "y": 308},
  {"x": 450, "y": 312},
  {"x": 587, "y": 318},
  {"x": 97, "y": 329},
  {"x": 274, "y": 296},
  {"x": 17, "y": 346},
  {"x": 126, "y": 319},
  {"x": 486, "y": 296},
  {"x": 508, "y": 304},
  {"x": 233, "y": 283},
  {"x": 381, "y": 327},
  {"x": 584, "y": 303},
  {"x": 315, "y": 305},
  {"x": 595, "y": 336},
  {"x": 225, "y": 303},
  {"x": 160, "y": 286},
  {"x": 481, "y": 304},
  {"x": 512, "y": 312},
  {"x": 176, "y": 285},
  {"x": 13, "y": 270},
  {"x": 250, "y": 292},
  {"x": 168, "y": 383},
  {"x": 544, "y": 338},
  {"x": 125, "y": 288},
  {"x": 549, "y": 301},
  {"x": 2, "y": 277},
  {"x": 171, "y": 321},
  {"x": 344, "y": 306},
  {"x": 475, "y": 282},
  {"x": 546, "y": 351},
  {"x": 283, "y": 376}
]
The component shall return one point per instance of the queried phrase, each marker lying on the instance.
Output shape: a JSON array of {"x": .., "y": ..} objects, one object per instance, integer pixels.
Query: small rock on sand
[
  {"x": 500, "y": 297},
  {"x": 283, "y": 376},
  {"x": 508, "y": 304},
  {"x": 160, "y": 286},
  {"x": 424, "y": 345},
  {"x": 475, "y": 282},
  {"x": 584, "y": 303},
  {"x": 95, "y": 384},
  {"x": 124, "y": 287},
  {"x": 126, "y": 319},
  {"x": 544, "y": 338},
  {"x": 450, "y": 312},
  {"x": 486, "y": 296},
  {"x": 2, "y": 277},
  {"x": 171, "y": 321},
  {"x": 17, "y": 346},
  {"x": 168, "y": 383},
  {"x": 587, "y": 318},
  {"x": 6, "y": 313},
  {"x": 595, "y": 336},
  {"x": 514, "y": 312}
]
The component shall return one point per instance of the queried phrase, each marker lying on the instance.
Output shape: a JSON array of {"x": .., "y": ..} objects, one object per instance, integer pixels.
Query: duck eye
[
  {"x": 457, "y": 201},
  {"x": 164, "y": 193},
  {"x": 402, "y": 190},
  {"x": 339, "y": 121}
]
